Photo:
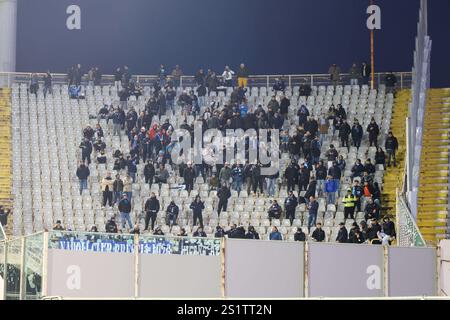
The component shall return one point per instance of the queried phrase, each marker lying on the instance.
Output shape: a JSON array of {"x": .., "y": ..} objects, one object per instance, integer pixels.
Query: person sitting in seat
[
  {"x": 58, "y": 226},
  {"x": 299, "y": 235},
  {"x": 275, "y": 234},
  {"x": 275, "y": 211},
  {"x": 199, "y": 233},
  {"x": 318, "y": 234}
]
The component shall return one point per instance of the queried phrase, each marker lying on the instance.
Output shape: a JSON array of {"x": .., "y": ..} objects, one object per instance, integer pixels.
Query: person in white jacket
[{"x": 228, "y": 76}]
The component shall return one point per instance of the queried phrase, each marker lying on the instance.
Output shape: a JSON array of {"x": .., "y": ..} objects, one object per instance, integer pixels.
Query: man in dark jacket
[
  {"x": 151, "y": 210},
  {"x": 331, "y": 153},
  {"x": 373, "y": 229},
  {"x": 149, "y": 173},
  {"x": 188, "y": 176},
  {"x": 284, "y": 106},
  {"x": 111, "y": 226},
  {"x": 4, "y": 216},
  {"x": 252, "y": 234},
  {"x": 172, "y": 213},
  {"x": 357, "y": 134},
  {"x": 125, "y": 209},
  {"x": 313, "y": 208},
  {"x": 86, "y": 150},
  {"x": 291, "y": 175},
  {"x": 389, "y": 229},
  {"x": 372, "y": 210},
  {"x": 342, "y": 236},
  {"x": 199, "y": 233},
  {"x": 391, "y": 146},
  {"x": 197, "y": 207},
  {"x": 321, "y": 176},
  {"x": 357, "y": 169},
  {"x": 390, "y": 80},
  {"x": 83, "y": 174},
  {"x": 289, "y": 206},
  {"x": 373, "y": 130},
  {"x": 275, "y": 211},
  {"x": 223, "y": 194},
  {"x": 344, "y": 132},
  {"x": 299, "y": 235},
  {"x": 318, "y": 234},
  {"x": 117, "y": 188},
  {"x": 257, "y": 178}
]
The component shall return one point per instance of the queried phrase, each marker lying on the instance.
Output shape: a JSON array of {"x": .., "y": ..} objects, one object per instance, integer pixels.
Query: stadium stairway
[
  {"x": 433, "y": 219},
  {"x": 5, "y": 149},
  {"x": 393, "y": 175}
]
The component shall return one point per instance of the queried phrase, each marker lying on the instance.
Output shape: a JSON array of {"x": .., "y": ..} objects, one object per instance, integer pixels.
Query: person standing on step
[
  {"x": 391, "y": 146},
  {"x": 289, "y": 206},
  {"x": 83, "y": 174},
  {"x": 125, "y": 210},
  {"x": 107, "y": 187},
  {"x": 223, "y": 194},
  {"x": 373, "y": 131},
  {"x": 197, "y": 207},
  {"x": 151, "y": 211},
  {"x": 349, "y": 202}
]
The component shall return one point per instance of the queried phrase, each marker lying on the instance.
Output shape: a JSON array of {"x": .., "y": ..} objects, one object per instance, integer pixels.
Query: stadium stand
[
  {"x": 433, "y": 190},
  {"x": 47, "y": 132},
  {"x": 5, "y": 147}
]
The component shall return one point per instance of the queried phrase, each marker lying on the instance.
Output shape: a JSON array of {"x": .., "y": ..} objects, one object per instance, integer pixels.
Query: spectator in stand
[
  {"x": 225, "y": 174},
  {"x": 303, "y": 179},
  {"x": 257, "y": 178},
  {"x": 188, "y": 176},
  {"x": 284, "y": 106},
  {"x": 365, "y": 73},
  {"x": 34, "y": 84},
  {"x": 199, "y": 77},
  {"x": 342, "y": 236},
  {"x": 290, "y": 203},
  {"x": 358, "y": 192},
  {"x": 311, "y": 191},
  {"x": 223, "y": 194},
  {"x": 117, "y": 189},
  {"x": 341, "y": 163},
  {"x": 279, "y": 85},
  {"x": 391, "y": 146},
  {"x": 237, "y": 174},
  {"x": 151, "y": 211},
  {"x": 182, "y": 233},
  {"x": 162, "y": 74},
  {"x": 353, "y": 229},
  {"x": 380, "y": 157},
  {"x": 373, "y": 230},
  {"x": 197, "y": 207},
  {"x": 357, "y": 169},
  {"x": 302, "y": 114},
  {"x": 162, "y": 175},
  {"x": 372, "y": 210},
  {"x": 275, "y": 234},
  {"x": 291, "y": 174},
  {"x": 125, "y": 209},
  {"x": 299, "y": 235},
  {"x": 275, "y": 211},
  {"x": 318, "y": 234},
  {"x": 373, "y": 131},
  {"x": 335, "y": 172},
  {"x": 128, "y": 186},
  {"x": 47, "y": 83},
  {"x": 357, "y": 134},
  {"x": 242, "y": 75},
  {"x": 101, "y": 158},
  {"x": 220, "y": 233},
  {"x": 83, "y": 174},
  {"x": 273, "y": 104},
  {"x": 313, "y": 208},
  {"x": 107, "y": 187},
  {"x": 349, "y": 202},
  {"x": 354, "y": 74},
  {"x": 330, "y": 190},
  {"x": 111, "y": 226},
  {"x": 331, "y": 153},
  {"x": 4, "y": 216},
  {"x": 390, "y": 80},
  {"x": 199, "y": 233},
  {"x": 227, "y": 76},
  {"x": 335, "y": 74},
  {"x": 388, "y": 231},
  {"x": 201, "y": 93},
  {"x": 86, "y": 150},
  {"x": 58, "y": 226},
  {"x": 252, "y": 234},
  {"x": 177, "y": 73},
  {"x": 118, "y": 78},
  {"x": 172, "y": 213}
]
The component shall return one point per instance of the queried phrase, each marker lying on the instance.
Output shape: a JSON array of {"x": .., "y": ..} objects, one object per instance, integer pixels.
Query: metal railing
[{"x": 404, "y": 79}]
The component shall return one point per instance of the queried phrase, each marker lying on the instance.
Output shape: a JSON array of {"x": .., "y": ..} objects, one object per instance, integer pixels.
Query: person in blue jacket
[
  {"x": 275, "y": 234},
  {"x": 330, "y": 189}
]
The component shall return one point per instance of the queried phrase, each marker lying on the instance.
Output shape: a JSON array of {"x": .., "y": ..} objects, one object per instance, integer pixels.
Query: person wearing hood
[
  {"x": 252, "y": 234},
  {"x": 172, "y": 214},
  {"x": 125, "y": 209},
  {"x": 151, "y": 211}
]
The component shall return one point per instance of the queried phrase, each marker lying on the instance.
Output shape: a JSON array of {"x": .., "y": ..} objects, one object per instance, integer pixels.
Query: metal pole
[
  {"x": 267, "y": 83},
  {"x": 44, "y": 277},
  {"x": 386, "y": 271},
  {"x": 305, "y": 270},
  {"x": 5, "y": 272},
  {"x": 290, "y": 85},
  {"x": 136, "y": 266},
  {"x": 22, "y": 291},
  {"x": 372, "y": 55},
  {"x": 401, "y": 80}
]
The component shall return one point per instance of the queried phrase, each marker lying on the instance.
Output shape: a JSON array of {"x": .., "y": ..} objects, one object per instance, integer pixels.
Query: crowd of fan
[{"x": 151, "y": 143}]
